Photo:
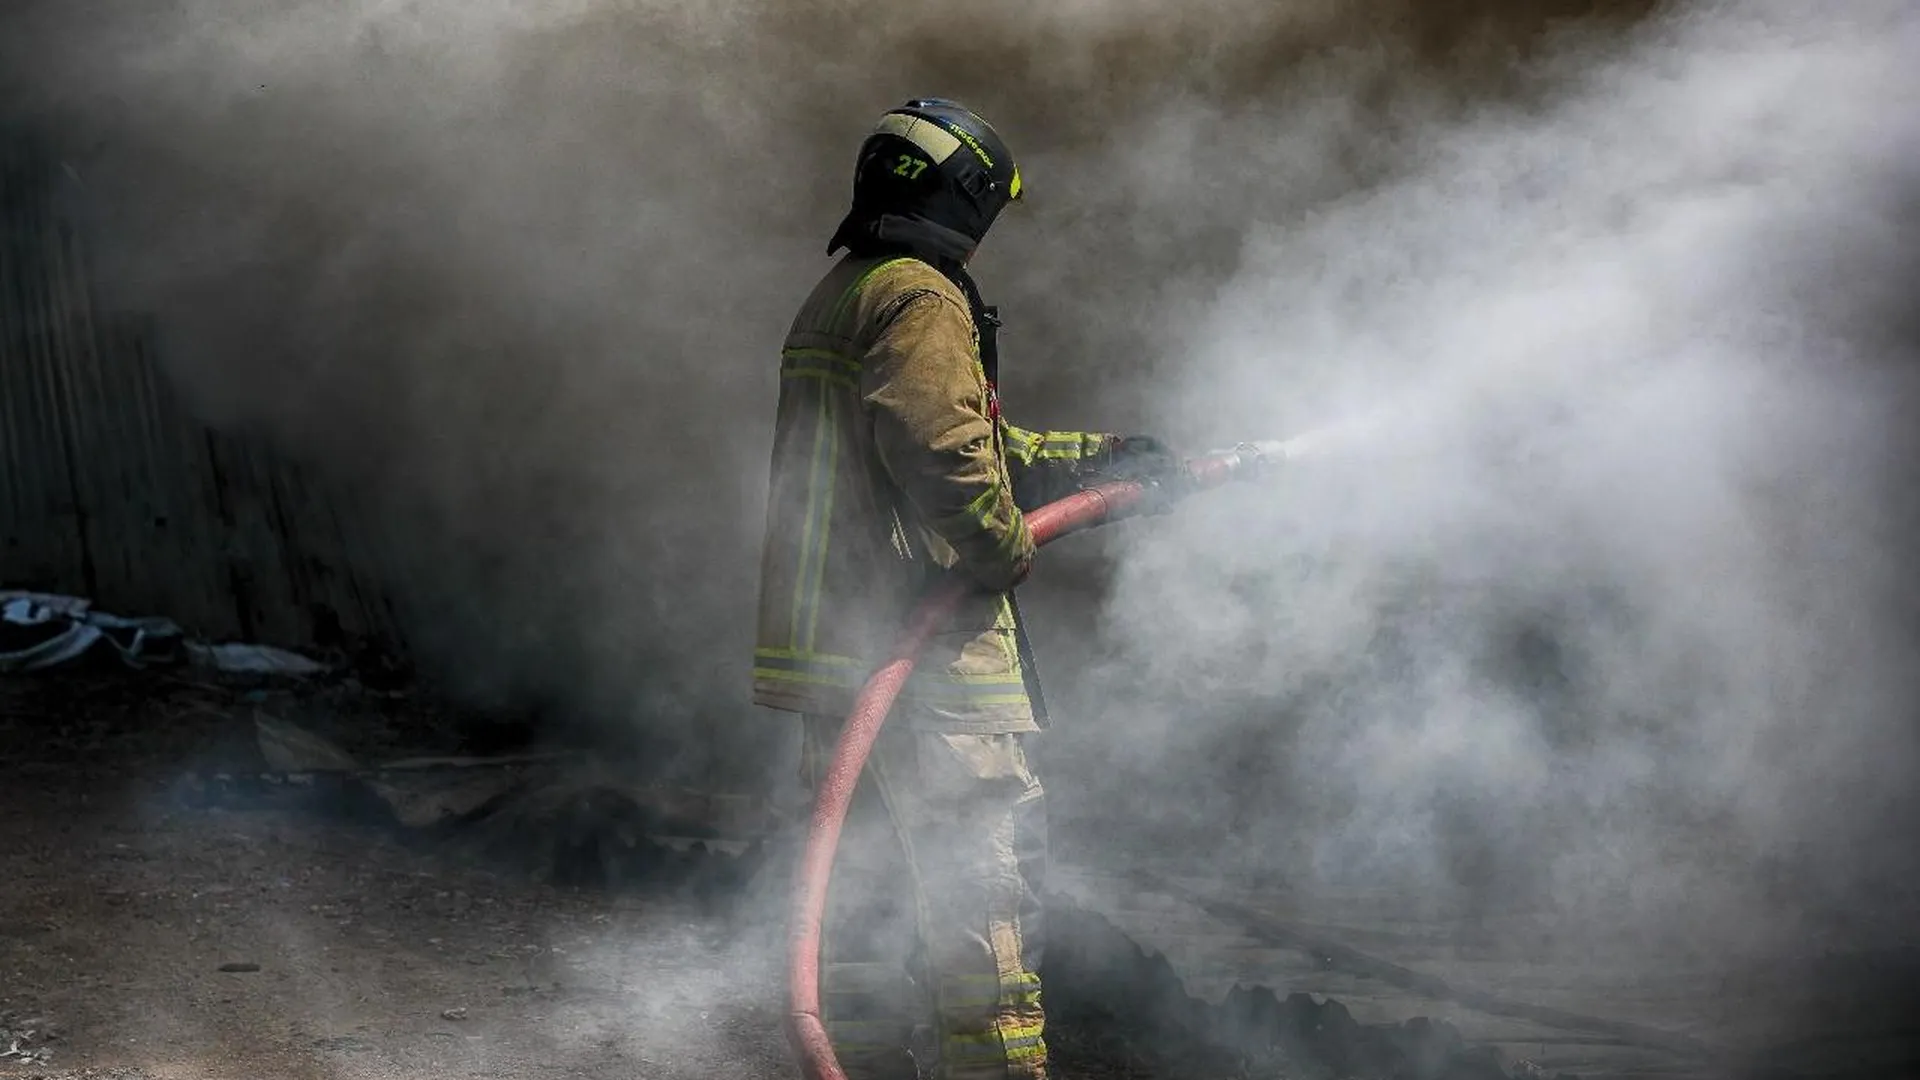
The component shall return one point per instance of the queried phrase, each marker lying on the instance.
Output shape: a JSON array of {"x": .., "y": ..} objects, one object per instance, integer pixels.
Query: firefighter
[{"x": 892, "y": 466}]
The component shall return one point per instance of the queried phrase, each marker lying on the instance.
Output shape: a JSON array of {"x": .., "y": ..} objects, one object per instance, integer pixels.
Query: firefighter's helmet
[{"x": 937, "y": 161}]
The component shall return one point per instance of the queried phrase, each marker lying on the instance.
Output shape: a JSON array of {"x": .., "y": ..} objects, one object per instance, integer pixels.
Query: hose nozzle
[
  {"x": 1248, "y": 460},
  {"x": 1276, "y": 451}
]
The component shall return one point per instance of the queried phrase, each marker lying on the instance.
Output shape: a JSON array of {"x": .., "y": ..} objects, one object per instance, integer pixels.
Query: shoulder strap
[{"x": 986, "y": 318}]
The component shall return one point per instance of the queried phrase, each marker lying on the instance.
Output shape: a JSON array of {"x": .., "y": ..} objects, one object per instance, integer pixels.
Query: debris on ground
[
  {"x": 44, "y": 630},
  {"x": 572, "y": 818},
  {"x": 566, "y": 814},
  {"x": 39, "y": 631},
  {"x": 24, "y": 1039},
  {"x": 241, "y": 658}
]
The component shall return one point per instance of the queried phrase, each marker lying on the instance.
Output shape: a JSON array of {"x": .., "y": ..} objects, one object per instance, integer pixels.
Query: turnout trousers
[{"x": 931, "y": 942}]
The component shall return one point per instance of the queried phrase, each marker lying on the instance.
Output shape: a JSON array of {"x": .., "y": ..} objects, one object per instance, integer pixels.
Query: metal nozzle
[
  {"x": 1253, "y": 456},
  {"x": 1276, "y": 451}
]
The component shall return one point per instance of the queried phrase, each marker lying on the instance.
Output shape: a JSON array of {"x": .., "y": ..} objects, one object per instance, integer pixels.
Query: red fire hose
[{"x": 1081, "y": 510}]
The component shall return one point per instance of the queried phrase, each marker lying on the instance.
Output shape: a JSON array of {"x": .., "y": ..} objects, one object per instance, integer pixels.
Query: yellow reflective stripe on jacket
[
  {"x": 824, "y": 364},
  {"x": 846, "y": 298},
  {"x": 1021, "y": 443},
  {"x": 980, "y": 514},
  {"x": 843, "y": 372},
  {"x": 947, "y": 688},
  {"x": 1027, "y": 447},
  {"x": 788, "y": 656},
  {"x": 1017, "y": 536},
  {"x": 814, "y": 529},
  {"x": 811, "y": 669},
  {"x": 814, "y": 576},
  {"x": 982, "y": 505}
]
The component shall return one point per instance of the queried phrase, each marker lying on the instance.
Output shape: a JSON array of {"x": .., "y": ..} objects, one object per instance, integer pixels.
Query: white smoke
[
  {"x": 1616, "y": 599},
  {"x": 1618, "y": 621}
]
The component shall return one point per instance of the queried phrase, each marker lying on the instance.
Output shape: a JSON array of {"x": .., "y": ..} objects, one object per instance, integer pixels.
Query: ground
[
  {"x": 160, "y": 923},
  {"x": 142, "y": 935},
  {"x": 156, "y": 926}
]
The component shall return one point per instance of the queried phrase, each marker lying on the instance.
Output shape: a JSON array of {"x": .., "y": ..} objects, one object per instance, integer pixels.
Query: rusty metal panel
[{"x": 111, "y": 489}]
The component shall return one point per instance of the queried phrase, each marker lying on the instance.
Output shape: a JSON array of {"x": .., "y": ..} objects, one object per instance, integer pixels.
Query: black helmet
[{"x": 932, "y": 178}]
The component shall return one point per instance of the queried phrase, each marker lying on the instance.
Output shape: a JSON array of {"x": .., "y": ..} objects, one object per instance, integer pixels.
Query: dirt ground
[
  {"x": 157, "y": 926},
  {"x": 154, "y": 929},
  {"x": 145, "y": 937}
]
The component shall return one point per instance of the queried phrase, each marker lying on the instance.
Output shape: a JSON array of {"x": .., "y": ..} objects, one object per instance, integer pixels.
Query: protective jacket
[{"x": 891, "y": 465}]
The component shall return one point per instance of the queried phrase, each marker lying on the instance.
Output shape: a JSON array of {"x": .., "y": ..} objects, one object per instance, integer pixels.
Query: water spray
[{"x": 1082, "y": 510}]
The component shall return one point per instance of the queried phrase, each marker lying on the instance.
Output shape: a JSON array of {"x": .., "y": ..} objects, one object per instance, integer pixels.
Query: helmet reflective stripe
[
  {"x": 965, "y": 136},
  {"x": 938, "y": 143}
]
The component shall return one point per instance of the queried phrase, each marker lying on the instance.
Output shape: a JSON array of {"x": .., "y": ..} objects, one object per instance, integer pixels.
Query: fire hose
[{"x": 1082, "y": 510}]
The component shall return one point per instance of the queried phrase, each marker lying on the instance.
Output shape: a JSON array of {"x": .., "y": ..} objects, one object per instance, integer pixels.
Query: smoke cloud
[
  {"x": 1603, "y": 603},
  {"x": 512, "y": 273},
  {"x": 1610, "y": 612}
]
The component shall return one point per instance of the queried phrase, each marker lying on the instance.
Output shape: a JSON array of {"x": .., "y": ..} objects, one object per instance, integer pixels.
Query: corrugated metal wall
[{"x": 111, "y": 490}]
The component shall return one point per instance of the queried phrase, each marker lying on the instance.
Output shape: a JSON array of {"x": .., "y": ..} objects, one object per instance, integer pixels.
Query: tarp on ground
[{"x": 46, "y": 630}]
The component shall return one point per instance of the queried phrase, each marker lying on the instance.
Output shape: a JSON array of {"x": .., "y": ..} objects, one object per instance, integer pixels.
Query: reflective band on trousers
[{"x": 1008, "y": 1042}]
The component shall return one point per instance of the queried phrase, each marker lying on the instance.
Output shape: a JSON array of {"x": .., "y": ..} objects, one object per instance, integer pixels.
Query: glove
[
  {"x": 1147, "y": 460},
  {"x": 1020, "y": 572}
]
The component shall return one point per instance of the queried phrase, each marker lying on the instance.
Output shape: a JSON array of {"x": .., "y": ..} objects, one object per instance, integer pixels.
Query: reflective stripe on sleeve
[{"x": 823, "y": 364}]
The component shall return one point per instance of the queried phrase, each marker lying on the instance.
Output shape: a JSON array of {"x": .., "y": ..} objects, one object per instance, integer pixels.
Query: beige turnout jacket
[{"x": 891, "y": 465}]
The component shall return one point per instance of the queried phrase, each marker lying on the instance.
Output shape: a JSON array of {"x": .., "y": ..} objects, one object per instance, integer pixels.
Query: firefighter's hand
[
  {"x": 999, "y": 575},
  {"x": 1020, "y": 572},
  {"x": 1149, "y": 461},
  {"x": 1004, "y": 577}
]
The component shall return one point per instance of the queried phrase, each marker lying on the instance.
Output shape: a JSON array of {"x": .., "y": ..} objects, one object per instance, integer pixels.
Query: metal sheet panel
[{"x": 111, "y": 489}]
